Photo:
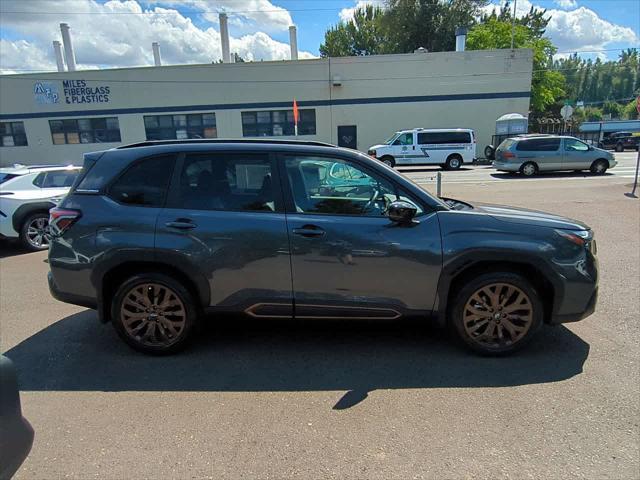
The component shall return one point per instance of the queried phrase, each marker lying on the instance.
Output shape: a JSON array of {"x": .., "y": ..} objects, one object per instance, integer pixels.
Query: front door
[
  {"x": 348, "y": 259},
  {"x": 225, "y": 220},
  {"x": 348, "y": 136},
  {"x": 402, "y": 147},
  {"x": 576, "y": 155}
]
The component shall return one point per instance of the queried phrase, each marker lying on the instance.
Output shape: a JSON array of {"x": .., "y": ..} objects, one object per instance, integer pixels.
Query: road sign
[{"x": 566, "y": 111}]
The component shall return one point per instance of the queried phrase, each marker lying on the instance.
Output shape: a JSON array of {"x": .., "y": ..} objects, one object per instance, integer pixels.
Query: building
[{"x": 350, "y": 101}]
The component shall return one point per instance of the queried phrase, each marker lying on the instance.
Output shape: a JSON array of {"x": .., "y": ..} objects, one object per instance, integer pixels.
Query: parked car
[
  {"x": 26, "y": 195},
  {"x": 154, "y": 235},
  {"x": 16, "y": 434},
  {"x": 529, "y": 155},
  {"x": 449, "y": 148},
  {"x": 620, "y": 141}
]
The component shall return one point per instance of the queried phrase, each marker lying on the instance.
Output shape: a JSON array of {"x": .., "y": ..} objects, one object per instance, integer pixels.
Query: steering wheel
[{"x": 372, "y": 200}]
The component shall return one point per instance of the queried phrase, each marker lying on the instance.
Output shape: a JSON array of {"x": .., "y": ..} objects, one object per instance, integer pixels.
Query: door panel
[
  {"x": 225, "y": 219},
  {"x": 347, "y": 258},
  {"x": 577, "y": 155},
  {"x": 348, "y": 136}
]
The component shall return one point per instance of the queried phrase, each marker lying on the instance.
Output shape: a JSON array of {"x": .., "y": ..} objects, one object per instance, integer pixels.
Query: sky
[{"x": 119, "y": 33}]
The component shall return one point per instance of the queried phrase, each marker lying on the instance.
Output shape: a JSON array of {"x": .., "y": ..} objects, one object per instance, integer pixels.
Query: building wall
[{"x": 378, "y": 94}]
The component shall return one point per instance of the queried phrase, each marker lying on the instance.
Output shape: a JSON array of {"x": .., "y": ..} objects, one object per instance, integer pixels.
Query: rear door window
[
  {"x": 441, "y": 138},
  {"x": 145, "y": 183},
  {"x": 539, "y": 145},
  {"x": 59, "y": 179}
]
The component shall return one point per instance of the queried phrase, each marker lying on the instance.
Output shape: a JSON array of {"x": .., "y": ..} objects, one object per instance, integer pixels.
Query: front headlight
[{"x": 581, "y": 238}]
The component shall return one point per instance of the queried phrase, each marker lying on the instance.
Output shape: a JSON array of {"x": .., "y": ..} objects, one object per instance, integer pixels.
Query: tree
[
  {"x": 614, "y": 109},
  {"x": 547, "y": 86},
  {"x": 630, "y": 111},
  {"x": 364, "y": 35},
  {"x": 429, "y": 23}
]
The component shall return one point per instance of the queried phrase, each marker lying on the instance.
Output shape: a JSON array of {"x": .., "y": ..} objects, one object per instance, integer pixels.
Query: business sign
[
  {"x": 45, "y": 93},
  {"x": 73, "y": 92}
]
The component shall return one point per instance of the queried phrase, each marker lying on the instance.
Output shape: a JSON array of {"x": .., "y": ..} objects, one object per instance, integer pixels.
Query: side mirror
[
  {"x": 401, "y": 212},
  {"x": 591, "y": 148}
]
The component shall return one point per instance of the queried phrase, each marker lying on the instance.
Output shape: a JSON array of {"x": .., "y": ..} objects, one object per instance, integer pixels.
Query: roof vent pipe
[
  {"x": 293, "y": 42},
  {"x": 57, "y": 50},
  {"x": 156, "y": 54},
  {"x": 461, "y": 39},
  {"x": 69, "y": 55},
  {"x": 224, "y": 38}
]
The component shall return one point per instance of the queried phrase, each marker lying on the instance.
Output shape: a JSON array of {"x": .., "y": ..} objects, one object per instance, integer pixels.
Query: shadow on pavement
[
  {"x": 80, "y": 354},
  {"x": 11, "y": 248},
  {"x": 433, "y": 169},
  {"x": 543, "y": 175}
]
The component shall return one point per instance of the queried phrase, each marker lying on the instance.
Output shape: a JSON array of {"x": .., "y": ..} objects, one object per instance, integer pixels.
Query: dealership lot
[{"x": 329, "y": 399}]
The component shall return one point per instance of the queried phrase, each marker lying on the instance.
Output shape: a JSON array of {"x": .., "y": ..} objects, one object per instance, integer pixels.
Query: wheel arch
[
  {"x": 454, "y": 276},
  {"x": 28, "y": 209},
  {"x": 112, "y": 278}
]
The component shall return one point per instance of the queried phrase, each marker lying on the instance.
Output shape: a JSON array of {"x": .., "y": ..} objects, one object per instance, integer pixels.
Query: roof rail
[{"x": 151, "y": 143}]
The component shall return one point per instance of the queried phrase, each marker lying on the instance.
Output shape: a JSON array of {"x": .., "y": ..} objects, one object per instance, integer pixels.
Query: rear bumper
[
  {"x": 69, "y": 297},
  {"x": 507, "y": 166}
]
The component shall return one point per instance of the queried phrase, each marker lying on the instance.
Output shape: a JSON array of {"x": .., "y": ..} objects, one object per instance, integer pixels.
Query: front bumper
[{"x": 576, "y": 317}]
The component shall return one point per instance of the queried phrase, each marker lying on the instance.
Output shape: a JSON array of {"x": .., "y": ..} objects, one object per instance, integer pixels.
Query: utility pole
[{"x": 513, "y": 21}]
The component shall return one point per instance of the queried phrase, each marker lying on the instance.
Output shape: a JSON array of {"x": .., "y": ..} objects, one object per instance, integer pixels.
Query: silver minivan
[{"x": 530, "y": 154}]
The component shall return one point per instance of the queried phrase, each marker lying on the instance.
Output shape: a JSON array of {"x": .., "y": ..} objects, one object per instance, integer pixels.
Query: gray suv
[
  {"x": 530, "y": 154},
  {"x": 158, "y": 235}
]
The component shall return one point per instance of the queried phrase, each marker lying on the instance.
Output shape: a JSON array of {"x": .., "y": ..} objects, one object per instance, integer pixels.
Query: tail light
[
  {"x": 508, "y": 154},
  {"x": 60, "y": 219}
]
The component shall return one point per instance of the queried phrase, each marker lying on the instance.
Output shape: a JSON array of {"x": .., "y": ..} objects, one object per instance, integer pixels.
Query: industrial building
[{"x": 350, "y": 101}]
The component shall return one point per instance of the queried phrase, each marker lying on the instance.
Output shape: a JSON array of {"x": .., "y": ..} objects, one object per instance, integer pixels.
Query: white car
[
  {"x": 26, "y": 195},
  {"x": 449, "y": 148}
]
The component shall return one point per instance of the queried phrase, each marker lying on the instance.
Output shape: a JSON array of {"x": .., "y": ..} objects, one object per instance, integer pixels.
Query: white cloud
[
  {"x": 579, "y": 29},
  {"x": 566, "y": 4},
  {"x": 346, "y": 14},
  {"x": 122, "y": 38}
]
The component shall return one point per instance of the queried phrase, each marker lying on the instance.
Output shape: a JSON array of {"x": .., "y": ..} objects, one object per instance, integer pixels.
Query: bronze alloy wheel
[
  {"x": 153, "y": 315},
  {"x": 497, "y": 315}
]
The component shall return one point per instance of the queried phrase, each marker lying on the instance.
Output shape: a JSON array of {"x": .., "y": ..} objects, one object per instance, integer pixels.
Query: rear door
[
  {"x": 543, "y": 151},
  {"x": 225, "y": 220}
]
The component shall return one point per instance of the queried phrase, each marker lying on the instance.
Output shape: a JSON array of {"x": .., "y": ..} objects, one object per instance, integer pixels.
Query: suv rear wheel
[
  {"x": 153, "y": 313},
  {"x": 34, "y": 234},
  {"x": 496, "y": 313}
]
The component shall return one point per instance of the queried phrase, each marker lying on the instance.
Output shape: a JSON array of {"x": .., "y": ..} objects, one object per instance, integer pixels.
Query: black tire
[
  {"x": 490, "y": 152},
  {"x": 599, "y": 167},
  {"x": 185, "y": 300},
  {"x": 40, "y": 240},
  {"x": 619, "y": 147},
  {"x": 454, "y": 162},
  {"x": 529, "y": 169},
  {"x": 474, "y": 342},
  {"x": 388, "y": 160}
]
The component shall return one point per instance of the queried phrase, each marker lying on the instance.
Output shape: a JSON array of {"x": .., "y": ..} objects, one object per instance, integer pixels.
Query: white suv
[
  {"x": 26, "y": 195},
  {"x": 449, "y": 148}
]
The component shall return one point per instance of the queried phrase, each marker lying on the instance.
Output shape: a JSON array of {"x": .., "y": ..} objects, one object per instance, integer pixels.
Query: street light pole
[{"x": 513, "y": 21}]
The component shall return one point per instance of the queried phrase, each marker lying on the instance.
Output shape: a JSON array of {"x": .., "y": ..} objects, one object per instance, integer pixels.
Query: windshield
[{"x": 390, "y": 140}]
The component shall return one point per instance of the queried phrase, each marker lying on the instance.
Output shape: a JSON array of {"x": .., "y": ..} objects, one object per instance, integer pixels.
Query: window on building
[
  {"x": 539, "y": 145},
  {"x": 277, "y": 123},
  {"x": 180, "y": 127},
  {"x": 85, "y": 130},
  {"x": 12, "y": 134},
  {"x": 241, "y": 182},
  {"x": 145, "y": 183},
  {"x": 440, "y": 138}
]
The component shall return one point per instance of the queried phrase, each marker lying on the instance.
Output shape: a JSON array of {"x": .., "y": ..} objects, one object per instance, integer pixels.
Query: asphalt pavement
[{"x": 284, "y": 399}]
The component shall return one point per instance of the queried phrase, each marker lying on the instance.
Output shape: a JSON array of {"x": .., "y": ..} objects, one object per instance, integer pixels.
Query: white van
[{"x": 449, "y": 148}]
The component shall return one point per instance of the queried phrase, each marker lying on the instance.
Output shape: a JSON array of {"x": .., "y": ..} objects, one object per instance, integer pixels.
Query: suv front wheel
[
  {"x": 153, "y": 313},
  {"x": 496, "y": 313}
]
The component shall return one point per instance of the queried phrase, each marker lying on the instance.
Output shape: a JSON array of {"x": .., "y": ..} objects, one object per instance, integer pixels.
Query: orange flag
[{"x": 295, "y": 112}]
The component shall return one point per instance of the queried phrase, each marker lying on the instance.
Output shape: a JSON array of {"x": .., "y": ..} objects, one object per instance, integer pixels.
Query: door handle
[
  {"x": 309, "y": 231},
  {"x": 181, "y": 224}
]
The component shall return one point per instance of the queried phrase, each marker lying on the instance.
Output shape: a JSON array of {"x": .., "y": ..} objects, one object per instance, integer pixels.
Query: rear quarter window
[
  {"x": 144, "y": 183},
  {"x": 435, "y": 138}
]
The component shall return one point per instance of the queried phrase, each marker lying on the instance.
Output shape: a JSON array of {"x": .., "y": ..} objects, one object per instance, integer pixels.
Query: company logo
[{"x": 45, "y": 92}]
